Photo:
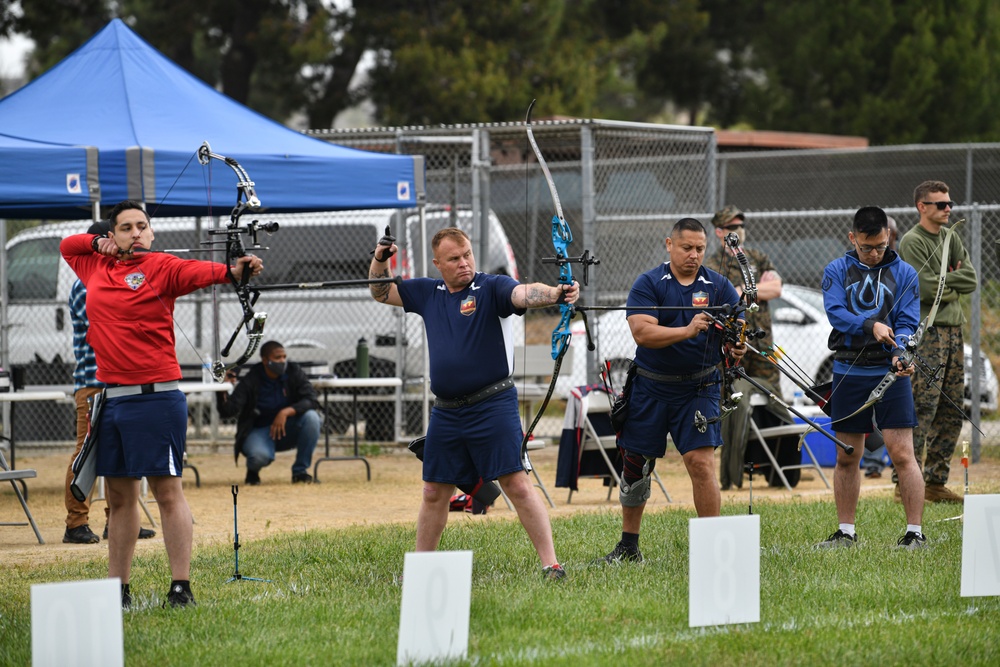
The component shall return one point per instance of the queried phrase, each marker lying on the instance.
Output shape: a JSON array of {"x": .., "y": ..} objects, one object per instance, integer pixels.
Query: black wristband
[{"x": 93, "y": 243}]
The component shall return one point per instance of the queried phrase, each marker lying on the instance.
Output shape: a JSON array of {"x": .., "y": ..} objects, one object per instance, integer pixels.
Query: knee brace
[{"x": 636, "y": 484}]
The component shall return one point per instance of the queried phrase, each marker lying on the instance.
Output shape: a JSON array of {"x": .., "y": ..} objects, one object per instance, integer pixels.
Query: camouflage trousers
[
  {"x": 735, "y": 431},
  {"x": 939, "y": 423}
]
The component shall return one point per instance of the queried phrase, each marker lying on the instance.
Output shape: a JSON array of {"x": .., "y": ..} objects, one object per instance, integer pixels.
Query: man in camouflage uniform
[
  {"x": 736, "y": 427},
  {"x": 939, "y": 424}
]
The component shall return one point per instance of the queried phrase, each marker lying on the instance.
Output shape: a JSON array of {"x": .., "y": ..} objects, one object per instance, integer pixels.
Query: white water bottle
[
  {"x": 206, "y": 369},
  {"x": 798, "y": 399}
]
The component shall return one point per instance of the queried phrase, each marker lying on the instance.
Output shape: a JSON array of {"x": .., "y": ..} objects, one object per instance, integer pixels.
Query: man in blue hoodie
[{"x": 872, "y": 300}]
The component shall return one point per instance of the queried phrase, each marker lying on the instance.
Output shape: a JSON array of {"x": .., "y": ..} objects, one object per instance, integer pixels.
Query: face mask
[{"x": 277, "y": 367}]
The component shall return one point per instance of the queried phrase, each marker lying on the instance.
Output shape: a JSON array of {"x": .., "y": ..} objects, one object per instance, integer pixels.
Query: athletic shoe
[
  {"x": 178, "y": 597},
  {"x": 554, "y": 572},
  {"x": 912, "y": 540},
  {"x": 301, "y": 478},
  {"x": 838, "y": 540},
  {"x": 253, "y": 478},
  {"x": 622, "y": 554},
  {"x": 126, "y": 597},
  {"x": 81, "y": 535},
  {"x": 144, "y": 533},
  {"x": 939, "y": 493}
]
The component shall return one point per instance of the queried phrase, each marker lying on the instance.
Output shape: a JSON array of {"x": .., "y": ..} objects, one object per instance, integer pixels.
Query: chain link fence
[{"x": 621, "y": 185}]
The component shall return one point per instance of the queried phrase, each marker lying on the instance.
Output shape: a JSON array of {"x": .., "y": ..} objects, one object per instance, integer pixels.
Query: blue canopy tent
[
  {"x": 147, "y": 117},
  {"x": 36, "y": 177}
]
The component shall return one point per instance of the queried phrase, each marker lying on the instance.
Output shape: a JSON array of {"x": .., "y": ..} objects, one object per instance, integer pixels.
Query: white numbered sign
[
  {"x": 724, "y": 572},
  {"x": 981, "y": 546},
  {"x": 434, "y": 613},
  {"x": 77, "y": 623}
]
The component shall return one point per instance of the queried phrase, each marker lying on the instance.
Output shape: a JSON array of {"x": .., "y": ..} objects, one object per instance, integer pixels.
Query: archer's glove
[{"x": 386, "y": 241}]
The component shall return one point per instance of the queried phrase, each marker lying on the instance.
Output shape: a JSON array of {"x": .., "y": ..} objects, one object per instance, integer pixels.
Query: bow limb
[
  {"x": 749, "y": 296},
  {"x": 562, "y": 236},
  {"x": 252, "y": 321}
]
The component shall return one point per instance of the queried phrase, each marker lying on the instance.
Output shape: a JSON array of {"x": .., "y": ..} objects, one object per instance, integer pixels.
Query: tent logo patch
[
  {"x": 403, "y": 190},
  {"x": 135, "y": 280},
  {"x": 73, "y": 184},
  {"x": 468, "y": 306}
]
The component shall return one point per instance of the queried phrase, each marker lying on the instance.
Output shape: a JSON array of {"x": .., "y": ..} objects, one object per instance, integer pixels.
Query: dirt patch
[{"x": 342, "y": 498}]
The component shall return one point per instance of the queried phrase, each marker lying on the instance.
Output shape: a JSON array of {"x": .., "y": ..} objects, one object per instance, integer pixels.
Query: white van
[{"x": 322, "y": 325}]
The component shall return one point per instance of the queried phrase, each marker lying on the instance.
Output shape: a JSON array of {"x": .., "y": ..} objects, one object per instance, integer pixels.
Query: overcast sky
[{"x": 12, "y": 55}]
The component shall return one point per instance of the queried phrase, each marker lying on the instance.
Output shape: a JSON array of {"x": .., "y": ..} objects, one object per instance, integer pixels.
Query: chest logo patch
[
  {"x": 699, "y": 299},
  {"x": 468, "y": 306},
  {"x": 135, "y": 280}
]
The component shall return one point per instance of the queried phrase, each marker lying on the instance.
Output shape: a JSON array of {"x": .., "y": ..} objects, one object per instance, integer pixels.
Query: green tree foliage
[
  {"x": 895, "y": 71},
  {"x": 456, "y": 61}
]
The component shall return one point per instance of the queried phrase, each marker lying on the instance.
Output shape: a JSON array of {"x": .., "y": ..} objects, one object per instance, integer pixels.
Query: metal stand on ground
[
  {"x": 749, "y": 468},
  {"x": 236, "y": 544}
]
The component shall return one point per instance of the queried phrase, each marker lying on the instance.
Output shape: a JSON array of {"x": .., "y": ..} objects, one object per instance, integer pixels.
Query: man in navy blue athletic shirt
[
  {"x": 676, "y": 379},
  {"x": 475, "y": 428}
]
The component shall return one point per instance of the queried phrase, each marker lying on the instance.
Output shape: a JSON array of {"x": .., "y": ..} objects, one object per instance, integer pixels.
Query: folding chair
[
  {"x": 774, "y": 440},
  {"x": 14, "y": 476},
  {"x": 533, "y": 444},
  {"x": 599, "y": 436}
]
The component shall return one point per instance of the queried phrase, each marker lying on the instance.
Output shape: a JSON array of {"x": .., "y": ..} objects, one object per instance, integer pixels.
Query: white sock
[
  {"x": 913, "y": 528},
  {"x": 847, "y": 528}
]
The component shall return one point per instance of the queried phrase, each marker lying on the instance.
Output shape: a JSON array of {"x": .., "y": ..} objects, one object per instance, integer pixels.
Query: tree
[
  {"x": 465, "y": 61},
  {"x": 900, "y": 71}
]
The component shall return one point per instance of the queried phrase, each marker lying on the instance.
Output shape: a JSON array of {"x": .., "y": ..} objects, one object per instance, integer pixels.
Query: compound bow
[{"x": 252, "y": 322}]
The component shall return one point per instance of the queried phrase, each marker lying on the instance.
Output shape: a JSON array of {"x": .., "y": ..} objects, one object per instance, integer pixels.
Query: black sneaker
[
  {"x": 554, "y": 572},
  {"x": 144, "y": 533},
  {"x": 838, "y": 540},
  {"x": 301, "y": 478},
  {"x": 253, "y": 477},
  {"x": 178, "y": 597},
  {"x": 912, "y": 540},
  {"x": 622, "y": 554},
  {"x": 81, "y": 535},
  {"x": 126, "y": 597}
]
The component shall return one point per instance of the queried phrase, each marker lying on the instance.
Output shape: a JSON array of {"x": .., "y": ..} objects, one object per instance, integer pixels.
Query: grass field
[{"x": 334, "y": 598}]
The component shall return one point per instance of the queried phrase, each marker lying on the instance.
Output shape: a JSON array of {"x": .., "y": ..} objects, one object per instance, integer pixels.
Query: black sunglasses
[
  {"x": 730, "y": 228},
  {"x": 941, "y": 205}
]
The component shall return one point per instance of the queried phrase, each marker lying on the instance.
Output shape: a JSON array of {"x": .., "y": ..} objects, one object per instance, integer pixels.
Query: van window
[
  {"x": 296, "y": 254},
  {"x": 319, "y": 253},
  {"x": 33, "y": 269}
]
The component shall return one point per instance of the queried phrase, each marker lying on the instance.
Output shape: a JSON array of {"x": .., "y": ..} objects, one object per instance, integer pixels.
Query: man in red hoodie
[{"x": 143, "y": 424}]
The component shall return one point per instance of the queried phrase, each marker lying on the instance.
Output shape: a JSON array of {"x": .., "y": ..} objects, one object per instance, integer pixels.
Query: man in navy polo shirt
[{"x": 475, "y": 428}]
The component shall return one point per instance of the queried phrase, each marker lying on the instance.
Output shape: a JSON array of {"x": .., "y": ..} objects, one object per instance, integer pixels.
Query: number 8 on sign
[{"x": 724, "y": 570}]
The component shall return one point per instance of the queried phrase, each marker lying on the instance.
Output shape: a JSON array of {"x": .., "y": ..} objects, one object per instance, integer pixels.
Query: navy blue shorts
[
  {"x": 143, "y": 435},
  {"x": 660, "y": 408},
  {"x": 895, "y": 410},
  {"x": 481, "y": 440}
]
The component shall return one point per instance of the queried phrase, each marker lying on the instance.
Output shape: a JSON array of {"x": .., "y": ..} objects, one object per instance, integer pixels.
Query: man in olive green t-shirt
[{"x": 939, "y": 422}]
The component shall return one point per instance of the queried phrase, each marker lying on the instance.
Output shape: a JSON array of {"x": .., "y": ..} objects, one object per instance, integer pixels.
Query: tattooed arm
[
  {"x": 383, "y": 292},
  {"x": 538, "y": 295}
]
